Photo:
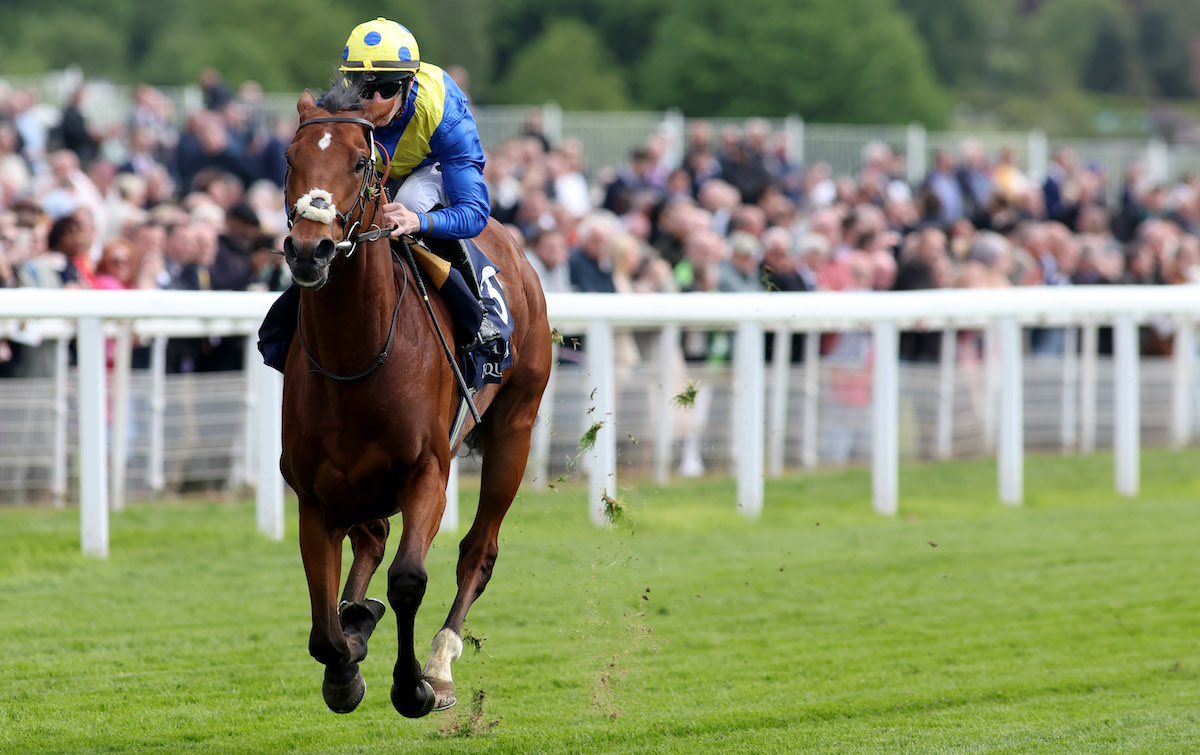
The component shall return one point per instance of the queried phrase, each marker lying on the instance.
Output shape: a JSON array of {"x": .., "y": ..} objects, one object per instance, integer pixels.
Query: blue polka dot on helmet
[{"x": 370, "y": 47}]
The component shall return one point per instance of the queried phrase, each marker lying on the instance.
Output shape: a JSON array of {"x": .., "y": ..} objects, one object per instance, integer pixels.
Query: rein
[
  {"x": 318, "y": 369},
  {"x": 369, "y": 191}
]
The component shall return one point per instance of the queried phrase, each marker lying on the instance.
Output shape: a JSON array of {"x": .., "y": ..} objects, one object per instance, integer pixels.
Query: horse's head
[{"x": 332, "y": 184}]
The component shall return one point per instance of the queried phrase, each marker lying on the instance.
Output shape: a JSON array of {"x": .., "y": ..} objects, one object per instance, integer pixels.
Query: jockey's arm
[{"x": 460, "y": 156}]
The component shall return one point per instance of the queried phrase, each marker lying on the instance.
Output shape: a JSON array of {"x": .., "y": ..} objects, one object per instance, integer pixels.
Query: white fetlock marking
[
  {"x": 446, "y": 648},
  {"x": 323, "y": 214}
]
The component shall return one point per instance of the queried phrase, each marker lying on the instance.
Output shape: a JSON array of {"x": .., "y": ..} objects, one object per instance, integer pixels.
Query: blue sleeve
[{"x": 459, "y": 152}]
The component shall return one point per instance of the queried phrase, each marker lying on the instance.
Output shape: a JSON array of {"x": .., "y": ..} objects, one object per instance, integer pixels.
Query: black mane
[{"x": 343, "y": 94}]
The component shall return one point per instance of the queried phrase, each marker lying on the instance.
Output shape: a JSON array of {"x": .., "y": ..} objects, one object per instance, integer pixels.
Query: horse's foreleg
[
  {"x": 422, "y": 505},
  {"x": 368, "y": 541},
  {"x": 359, "y": 614},
  {"x": 504, "y": 457},
  {"x": 321, "y": 551}
]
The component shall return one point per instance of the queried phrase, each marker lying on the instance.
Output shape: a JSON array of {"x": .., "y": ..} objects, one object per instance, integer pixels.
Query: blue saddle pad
[{"x": 488, "y": 365}]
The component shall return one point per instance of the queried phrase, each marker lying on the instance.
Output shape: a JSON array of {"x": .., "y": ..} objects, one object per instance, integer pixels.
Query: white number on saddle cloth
[{"x": 489, "y": 288}]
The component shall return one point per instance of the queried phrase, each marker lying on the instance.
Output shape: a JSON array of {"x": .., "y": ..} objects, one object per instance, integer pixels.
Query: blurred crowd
[{"x": 194, "y": 201}]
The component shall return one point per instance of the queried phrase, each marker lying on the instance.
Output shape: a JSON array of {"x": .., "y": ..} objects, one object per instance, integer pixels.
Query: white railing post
[
  {"x": 945, "y": 415},
  {"x": 915, "y": 160},
  {"x": 1158, "y": 161},
  {"x": 244, "y": 466},
  {"x": 450, "y": 513},
  {"x": 119, "y": 455},
  {"x": 602, "y": 458},
  {"x": 62, "y": 377},
  {"x": 1069, "y": 435},
  {"x": 552, "y": 123},
  {"x": 1126, "y": 412},
  {"x": 93, "y": 445},
  {"x": 539, "y": 456},
  {"x": 991, "y": 386},
  {"x": 749, "y": 386},
  {"x": 672, "y": 127},
  {"x": 1039, "y": 155},
  {"x": 158, "y": 408},
  {"x": 809, "y": 446},
  {"x": 777, "y": 418},
  {"x": 885, "y": 411},
  {"x": 793, "y": 128},
  {"x": 664, "y": 442},
  {"x": 1088, "y": 377},
  {"x": 269, "y": 493},
  {"x": 1010, "y": 450},
  {"x": 1181, "y": 403}
]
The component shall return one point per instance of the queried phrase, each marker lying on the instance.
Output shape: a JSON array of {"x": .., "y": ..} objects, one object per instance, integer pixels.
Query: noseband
[{"x": 318, "y": 204}]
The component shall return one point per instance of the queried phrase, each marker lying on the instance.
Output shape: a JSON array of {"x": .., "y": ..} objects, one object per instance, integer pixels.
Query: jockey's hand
[{"x": 405, "y": 220}]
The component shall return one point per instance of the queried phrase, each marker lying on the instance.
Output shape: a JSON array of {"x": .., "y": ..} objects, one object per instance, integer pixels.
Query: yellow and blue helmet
[{"x": 380, "y": 45}]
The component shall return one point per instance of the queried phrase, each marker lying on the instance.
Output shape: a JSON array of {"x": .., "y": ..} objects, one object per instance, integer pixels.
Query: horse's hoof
[
  {"x": 444, "y": 692},
  {"x": 344, "y": 697},
  {"x": 418, "y": 705}
]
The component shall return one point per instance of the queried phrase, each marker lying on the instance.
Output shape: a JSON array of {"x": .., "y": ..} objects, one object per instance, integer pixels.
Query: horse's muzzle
[{"x": 309, "y": 260}]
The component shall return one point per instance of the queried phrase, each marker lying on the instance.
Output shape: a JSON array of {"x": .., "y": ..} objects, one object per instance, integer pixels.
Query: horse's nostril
[
  {"x": 289, "y": 249},
  {"x": 325, "y": 250}
]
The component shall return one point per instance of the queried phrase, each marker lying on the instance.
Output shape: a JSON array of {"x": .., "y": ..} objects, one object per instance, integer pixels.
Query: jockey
[{"x": 432, "y": 142}]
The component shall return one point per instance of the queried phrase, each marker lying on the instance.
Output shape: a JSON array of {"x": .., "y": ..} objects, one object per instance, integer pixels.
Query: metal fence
[{"x": 202, "y": 443}]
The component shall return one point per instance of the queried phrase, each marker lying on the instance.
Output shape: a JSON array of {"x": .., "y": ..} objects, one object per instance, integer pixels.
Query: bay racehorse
[{"x": 361, "y": 449}]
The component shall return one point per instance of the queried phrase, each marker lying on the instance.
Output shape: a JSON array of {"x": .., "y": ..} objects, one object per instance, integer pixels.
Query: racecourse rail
[{"x": 1001, "y": 314}]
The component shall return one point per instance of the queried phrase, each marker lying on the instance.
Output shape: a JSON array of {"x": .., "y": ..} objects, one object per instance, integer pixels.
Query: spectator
[
  {"x": 943, "y": 184},
  {"x": 634, "y": 177},
  {"x": 590, "y": 263},
  {"x": 72, "y": 236},
  {"x": 742, "y": 166},
  {"x": 115, "y": 271},
  {"x": 73, "y": 131},
  {"x": 548, "y": 255},
  {"x": 740, "y": 273},
  {"x": 975, "y": 183}
]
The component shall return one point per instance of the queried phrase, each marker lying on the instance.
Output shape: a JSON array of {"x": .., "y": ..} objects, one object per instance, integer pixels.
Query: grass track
[{"x": 1067, "y": 625}]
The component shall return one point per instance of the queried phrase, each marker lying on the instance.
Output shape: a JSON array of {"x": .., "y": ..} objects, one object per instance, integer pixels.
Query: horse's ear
[
  {"x": 381, "y": 113},
  {"x": 306, "y": 104}
]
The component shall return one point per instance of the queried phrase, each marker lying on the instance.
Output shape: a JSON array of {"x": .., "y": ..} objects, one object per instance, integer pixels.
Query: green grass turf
[{"x": 960, "y": 625}]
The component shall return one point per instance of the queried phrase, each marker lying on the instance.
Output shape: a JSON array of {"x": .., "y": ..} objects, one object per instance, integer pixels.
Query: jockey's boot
[{"x": 461, "y": 259}]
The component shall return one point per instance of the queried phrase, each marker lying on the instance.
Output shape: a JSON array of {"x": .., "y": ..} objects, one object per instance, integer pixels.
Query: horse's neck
[{"x": 352, "y": 313}]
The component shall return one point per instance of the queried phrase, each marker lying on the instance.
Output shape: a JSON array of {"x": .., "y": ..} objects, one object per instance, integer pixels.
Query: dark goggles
[{"x": 387, "y": 87}]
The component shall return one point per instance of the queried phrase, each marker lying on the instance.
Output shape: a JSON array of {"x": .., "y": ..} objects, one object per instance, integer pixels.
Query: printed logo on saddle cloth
[{"x": 488, "y": 365}]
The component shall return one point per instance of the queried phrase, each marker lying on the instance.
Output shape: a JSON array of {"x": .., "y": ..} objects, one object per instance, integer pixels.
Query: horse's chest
[{"x": 340, "y": 467}]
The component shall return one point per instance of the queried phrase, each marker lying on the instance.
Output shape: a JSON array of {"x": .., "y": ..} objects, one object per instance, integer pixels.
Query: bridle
[{"x": 368, "y": 194}]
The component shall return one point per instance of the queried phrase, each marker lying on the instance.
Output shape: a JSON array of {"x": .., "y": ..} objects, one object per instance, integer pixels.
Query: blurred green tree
[
  {"x": 856, "y": 60},
  {"x": 958, "y": 36},
  {"x": 569, "y": 64}
]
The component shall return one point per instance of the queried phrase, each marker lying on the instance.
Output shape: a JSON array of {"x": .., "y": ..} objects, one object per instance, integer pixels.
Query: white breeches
[{"x": 422, "y": 190}]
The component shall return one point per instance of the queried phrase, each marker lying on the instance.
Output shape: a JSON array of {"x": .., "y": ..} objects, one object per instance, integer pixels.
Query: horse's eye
[{"x": 362, "y": 163}]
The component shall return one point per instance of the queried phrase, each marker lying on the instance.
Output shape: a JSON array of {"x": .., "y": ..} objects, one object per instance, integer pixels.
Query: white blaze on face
[{"x": 325, "y": 140}]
